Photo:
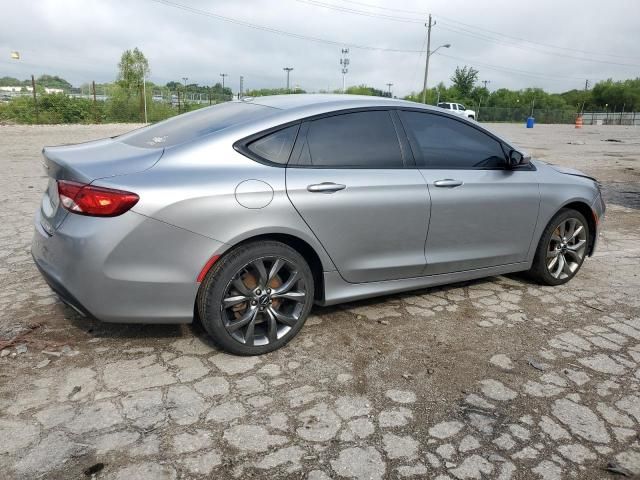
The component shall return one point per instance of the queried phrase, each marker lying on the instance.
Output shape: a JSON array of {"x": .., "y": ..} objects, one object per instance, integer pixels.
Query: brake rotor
[{"x": 251, "y": 282}]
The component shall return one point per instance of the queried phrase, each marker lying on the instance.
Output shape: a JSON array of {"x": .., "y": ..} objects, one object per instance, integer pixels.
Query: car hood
[{"x": 568, "y": 171}]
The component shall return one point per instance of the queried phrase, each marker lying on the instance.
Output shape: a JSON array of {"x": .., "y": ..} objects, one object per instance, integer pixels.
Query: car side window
[
  {"x": 352, "y": 140},
  {"x": 275, "y": 147},
  {"x": 441, "y": 142}
]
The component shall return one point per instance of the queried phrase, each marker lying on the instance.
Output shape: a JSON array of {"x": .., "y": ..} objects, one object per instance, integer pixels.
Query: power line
[
  {"x": 486, "y": 38},
  {"x": 533, "y": 42},
  {"x": 235, "y": 21},
  {"x": 482, "y": 36},
  {"x": 364, "y": 13},
  {"x": 424, "y": 14},
  {"x": 511, "y": 70}
]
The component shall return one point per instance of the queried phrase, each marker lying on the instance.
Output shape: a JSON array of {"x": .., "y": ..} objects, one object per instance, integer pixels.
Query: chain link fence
[
  {"x": 563, "y": 116},
  {"x": 107, "y": 104},
  {"x": 520, "y": 115},
  {"x": 110, "y": 104}
]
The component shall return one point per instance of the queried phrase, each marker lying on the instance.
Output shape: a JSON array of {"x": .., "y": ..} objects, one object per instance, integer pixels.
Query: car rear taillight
[{"x": 94, "y": 201}]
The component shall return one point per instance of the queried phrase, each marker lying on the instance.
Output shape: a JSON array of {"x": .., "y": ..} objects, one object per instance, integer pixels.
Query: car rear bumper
[{"x": 126, "y": 269}]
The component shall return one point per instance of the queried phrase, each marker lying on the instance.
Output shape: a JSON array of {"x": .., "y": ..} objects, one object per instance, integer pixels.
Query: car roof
[{"x": 328, "y": 102}]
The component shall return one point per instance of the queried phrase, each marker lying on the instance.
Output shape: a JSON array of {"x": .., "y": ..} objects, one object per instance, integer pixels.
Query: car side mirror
[{"x": 517, "y": 158}]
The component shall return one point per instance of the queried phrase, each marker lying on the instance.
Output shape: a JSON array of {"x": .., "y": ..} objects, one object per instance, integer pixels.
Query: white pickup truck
[{"x": 458, "y": 108}]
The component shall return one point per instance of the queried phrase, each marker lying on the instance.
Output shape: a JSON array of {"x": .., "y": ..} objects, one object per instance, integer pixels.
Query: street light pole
[
  {"x": 426, "y": 71},
  {"x": 184, "y": 80},
  {"x": 288, "y": 70},
  {"x": 429, "y": 53}
]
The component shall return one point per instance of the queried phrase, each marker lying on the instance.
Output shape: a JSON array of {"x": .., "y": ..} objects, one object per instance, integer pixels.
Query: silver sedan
[{"x": 247, "y": 213}]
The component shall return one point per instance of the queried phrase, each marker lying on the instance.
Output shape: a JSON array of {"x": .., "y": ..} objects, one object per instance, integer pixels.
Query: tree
[
  {"x": 54, "y": 81},
  {"x": 464, "y": 79},
  {"x": 133, "y": 69},
  {"x": 10, "y": 82}
]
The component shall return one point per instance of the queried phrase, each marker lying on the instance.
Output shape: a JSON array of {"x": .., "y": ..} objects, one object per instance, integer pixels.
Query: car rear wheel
[
  {"x": 562, "y": 248},
  {"x": 256, "y": 298}
]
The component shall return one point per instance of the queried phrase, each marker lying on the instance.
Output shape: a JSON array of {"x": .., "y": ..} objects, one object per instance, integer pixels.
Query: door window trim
[
  {"x": 407, "y": 144},
  {"x": 415, "y": 147}
]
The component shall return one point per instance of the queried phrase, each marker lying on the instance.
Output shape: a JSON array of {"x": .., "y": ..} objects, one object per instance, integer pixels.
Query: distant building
[{"x": 18, "y": 89}]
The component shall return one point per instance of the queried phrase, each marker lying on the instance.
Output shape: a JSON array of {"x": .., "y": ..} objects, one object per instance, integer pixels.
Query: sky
[{"x": 553, "y": 44}]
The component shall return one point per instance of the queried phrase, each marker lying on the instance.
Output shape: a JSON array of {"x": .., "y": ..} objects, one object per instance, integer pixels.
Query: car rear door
[
  {"x": 482, "y": 214},
  {"x": 348, "y": 179}
]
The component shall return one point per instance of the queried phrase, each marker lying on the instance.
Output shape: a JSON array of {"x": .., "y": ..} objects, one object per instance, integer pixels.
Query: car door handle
[
  {"x": 326, "y": 187},
  {"x": 448, "y": 183}
]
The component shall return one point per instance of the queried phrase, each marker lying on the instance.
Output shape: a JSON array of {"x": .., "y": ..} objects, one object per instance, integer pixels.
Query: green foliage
[
  {"x": 365, "y": 90},
  {"x": 262, "y": 92},
  {"x": 464, "y": 79},
  {"x": 53, "y": 108},
  {"x": 616, "y": 95}
]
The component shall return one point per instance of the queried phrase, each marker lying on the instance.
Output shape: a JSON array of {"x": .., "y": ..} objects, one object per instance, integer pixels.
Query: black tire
[
  {"x": 540, "y": 272},
  {"x": 236, "y": 266}
]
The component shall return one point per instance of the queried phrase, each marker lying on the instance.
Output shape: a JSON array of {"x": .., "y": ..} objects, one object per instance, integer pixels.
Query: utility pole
[
  {"x": 288, "y": 70},
  {"x": 35, "y": 98},
  {"x": 95, "y": 103},
  {"x": 586, "y": 84},
  {"x": 344, "y": 61},
  {"x": 240, "y": 93},
  {"x": 426, "y": 65},
  {"x": 485, "y": 83},
  {"x": 389, "y": 85},
  {"x": 144, "y": 96}
]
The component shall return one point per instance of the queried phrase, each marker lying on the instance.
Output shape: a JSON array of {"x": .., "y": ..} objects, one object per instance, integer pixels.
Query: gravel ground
[{"x": 496, "y": 378}]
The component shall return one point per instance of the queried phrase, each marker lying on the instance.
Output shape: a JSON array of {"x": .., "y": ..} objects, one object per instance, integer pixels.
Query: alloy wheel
[
  {"x": 263, "y": 301},
  {"x": 567, "y": 248}
]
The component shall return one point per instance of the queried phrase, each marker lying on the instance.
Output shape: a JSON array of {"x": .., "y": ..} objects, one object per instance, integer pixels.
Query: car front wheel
[
  {"x": 562, "y": 248},
  {"x": 256, "y": 297}
]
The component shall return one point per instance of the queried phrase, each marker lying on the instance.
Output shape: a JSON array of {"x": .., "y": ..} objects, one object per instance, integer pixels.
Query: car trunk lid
[{"x": 85, "y": 163}]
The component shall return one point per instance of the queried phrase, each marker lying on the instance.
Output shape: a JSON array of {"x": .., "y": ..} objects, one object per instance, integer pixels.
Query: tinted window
[
  {"x": 277, "y": 146},
  {"x": 189, "y": 126},
  {"x": 441, "y": 142},
  {"x": 358, "y": 140}
]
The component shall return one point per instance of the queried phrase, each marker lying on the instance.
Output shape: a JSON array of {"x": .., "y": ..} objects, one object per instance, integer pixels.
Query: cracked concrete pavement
[{"x": 495, "y": 378}]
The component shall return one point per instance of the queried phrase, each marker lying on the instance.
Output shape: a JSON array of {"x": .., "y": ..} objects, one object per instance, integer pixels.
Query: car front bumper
[
  {"x": 598, "y": 208},
  {"x": 126, "y": 269}
]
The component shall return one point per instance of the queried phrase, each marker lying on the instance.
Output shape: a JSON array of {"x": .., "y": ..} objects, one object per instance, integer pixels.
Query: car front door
[
  {"x": 348, "y": 179},
  {"x": 482, "y": 213}
]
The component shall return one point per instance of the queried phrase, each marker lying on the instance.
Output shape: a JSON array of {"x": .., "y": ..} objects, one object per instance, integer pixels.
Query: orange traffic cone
[{"x": 579, "y": 121}]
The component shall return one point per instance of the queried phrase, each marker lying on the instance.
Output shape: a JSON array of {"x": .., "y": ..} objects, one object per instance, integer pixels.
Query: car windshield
[{"x": 192, "y": 125}]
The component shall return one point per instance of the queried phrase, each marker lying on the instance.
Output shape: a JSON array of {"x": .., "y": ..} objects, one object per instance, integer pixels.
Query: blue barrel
[{"x": 530, "y": 122}]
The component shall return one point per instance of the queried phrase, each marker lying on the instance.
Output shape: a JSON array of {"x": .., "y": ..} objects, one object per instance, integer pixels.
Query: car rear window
[{"x": 192, "y": 125}]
